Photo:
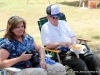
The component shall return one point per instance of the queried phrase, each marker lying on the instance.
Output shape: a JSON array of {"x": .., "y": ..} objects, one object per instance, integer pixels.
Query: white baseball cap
[{"x": 53, "y": 10}]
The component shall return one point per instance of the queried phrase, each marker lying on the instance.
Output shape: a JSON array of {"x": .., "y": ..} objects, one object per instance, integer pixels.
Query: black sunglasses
[{"x": 54, "y": 17}]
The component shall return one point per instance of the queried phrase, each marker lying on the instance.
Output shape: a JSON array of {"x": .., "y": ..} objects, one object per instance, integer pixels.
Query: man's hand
[{"x": 65, "y": 44}]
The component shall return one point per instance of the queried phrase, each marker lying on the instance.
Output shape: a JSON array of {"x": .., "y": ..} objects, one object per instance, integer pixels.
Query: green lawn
[{"x": 84, "y": 22}]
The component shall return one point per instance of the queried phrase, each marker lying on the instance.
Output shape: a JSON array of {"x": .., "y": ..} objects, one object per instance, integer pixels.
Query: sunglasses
[
  {"x": 54, "y": 17},
  {"x": 12, "y": 17}
]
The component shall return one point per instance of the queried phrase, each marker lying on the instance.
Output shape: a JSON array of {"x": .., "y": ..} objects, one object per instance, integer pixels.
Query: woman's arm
[
  {"x": 5, "y": 62},
  {"x": 42, "y": 55},
  {"x": 40, "y": 50},
  {"x": 74, "y": 40}
]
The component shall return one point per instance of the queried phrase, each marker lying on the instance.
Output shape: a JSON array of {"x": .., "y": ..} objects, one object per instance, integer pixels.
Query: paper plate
[{"x": 78, "y": 51}]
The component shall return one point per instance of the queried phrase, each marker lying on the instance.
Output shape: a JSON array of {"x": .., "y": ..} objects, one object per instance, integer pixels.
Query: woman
[{"x": 14, "y": 46}]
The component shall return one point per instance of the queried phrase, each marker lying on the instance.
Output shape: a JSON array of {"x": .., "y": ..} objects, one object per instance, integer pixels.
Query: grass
[{"x": 84, "y": 22}]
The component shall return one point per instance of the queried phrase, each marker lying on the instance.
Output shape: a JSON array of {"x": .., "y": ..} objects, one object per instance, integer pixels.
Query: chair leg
[
  {"x": 57, "y": 0},
  {"x": 80, "y": 2},
  {"x": 27, "y": 1},
  {"x": 58, "y": 57},
  {"x": 49, "y": 1},
  {"x": 65, "y": 0}
]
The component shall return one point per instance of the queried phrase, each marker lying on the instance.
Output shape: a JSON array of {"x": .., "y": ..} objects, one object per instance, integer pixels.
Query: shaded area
[
  {"x": 97, "y": 49},
  {"x": 96, "y": 37},
  {"x": 2, "y": 4},
  {"x": 73, "y": 3}
]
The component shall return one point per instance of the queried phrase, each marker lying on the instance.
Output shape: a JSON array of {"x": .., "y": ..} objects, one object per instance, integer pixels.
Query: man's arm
[
  {"x": 64, "y": 44},
  {"x": 74, "y": 40},
  {"x": 51, "y": 45},
  {"x": 57, "y": 44}
]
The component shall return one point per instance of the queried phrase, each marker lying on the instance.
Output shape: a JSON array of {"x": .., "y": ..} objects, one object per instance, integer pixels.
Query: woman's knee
[
  {"x": 60, "y": 66},
  {"x": 33, "y": 71},
  {"x": 56, "y": 66},
  {"x": 41, "y": 72},
  {"x": 57, "y": 69}
]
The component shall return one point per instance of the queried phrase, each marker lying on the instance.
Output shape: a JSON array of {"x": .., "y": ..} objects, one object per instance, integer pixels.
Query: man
[{"x": 58, "y": 34}]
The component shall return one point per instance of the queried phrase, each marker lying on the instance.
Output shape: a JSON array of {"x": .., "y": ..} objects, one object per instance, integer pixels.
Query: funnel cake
[{"x": 76, "y": 47}]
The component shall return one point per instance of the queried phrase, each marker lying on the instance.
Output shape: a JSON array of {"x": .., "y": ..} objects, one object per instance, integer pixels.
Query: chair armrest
[
  {"x": 52, "y": 50},
  {"x": 56, "y": 51},
  {"x": 2, "y": 30},
  {"x": 85, "y": 40},
  {"x": 12, "y": 69}
]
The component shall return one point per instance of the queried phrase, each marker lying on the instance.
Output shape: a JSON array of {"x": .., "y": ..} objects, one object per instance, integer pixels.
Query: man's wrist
[{"x": 59, "y": 44}]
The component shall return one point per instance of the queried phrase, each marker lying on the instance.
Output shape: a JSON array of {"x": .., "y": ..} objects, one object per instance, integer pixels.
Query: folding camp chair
[
  {"x": 43, "y": 20},
  {"x": 11, "y": 70}
]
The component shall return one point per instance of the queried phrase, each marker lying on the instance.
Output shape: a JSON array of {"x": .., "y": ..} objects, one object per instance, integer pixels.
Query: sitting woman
[{"x": 13, "y": 50}]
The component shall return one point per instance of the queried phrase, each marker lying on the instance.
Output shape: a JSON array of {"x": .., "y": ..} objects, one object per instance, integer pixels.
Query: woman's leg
[
  {"x": 33, "y": 71},
  {"x": 56, "y": 69}
]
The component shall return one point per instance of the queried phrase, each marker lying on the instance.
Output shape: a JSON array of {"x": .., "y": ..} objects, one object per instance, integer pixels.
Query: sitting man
[{"x": 58, "y": 34}]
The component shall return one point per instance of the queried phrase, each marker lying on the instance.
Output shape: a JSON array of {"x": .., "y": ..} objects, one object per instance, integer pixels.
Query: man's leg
[
  {"x": 93, "y": 63},
  {"x": 77, "y": 64}
]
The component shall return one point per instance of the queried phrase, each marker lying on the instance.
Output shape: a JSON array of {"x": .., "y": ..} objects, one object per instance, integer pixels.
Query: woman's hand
[
  {"x": 43, "y": 64},
  {"x": 25, "y": 57}
]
